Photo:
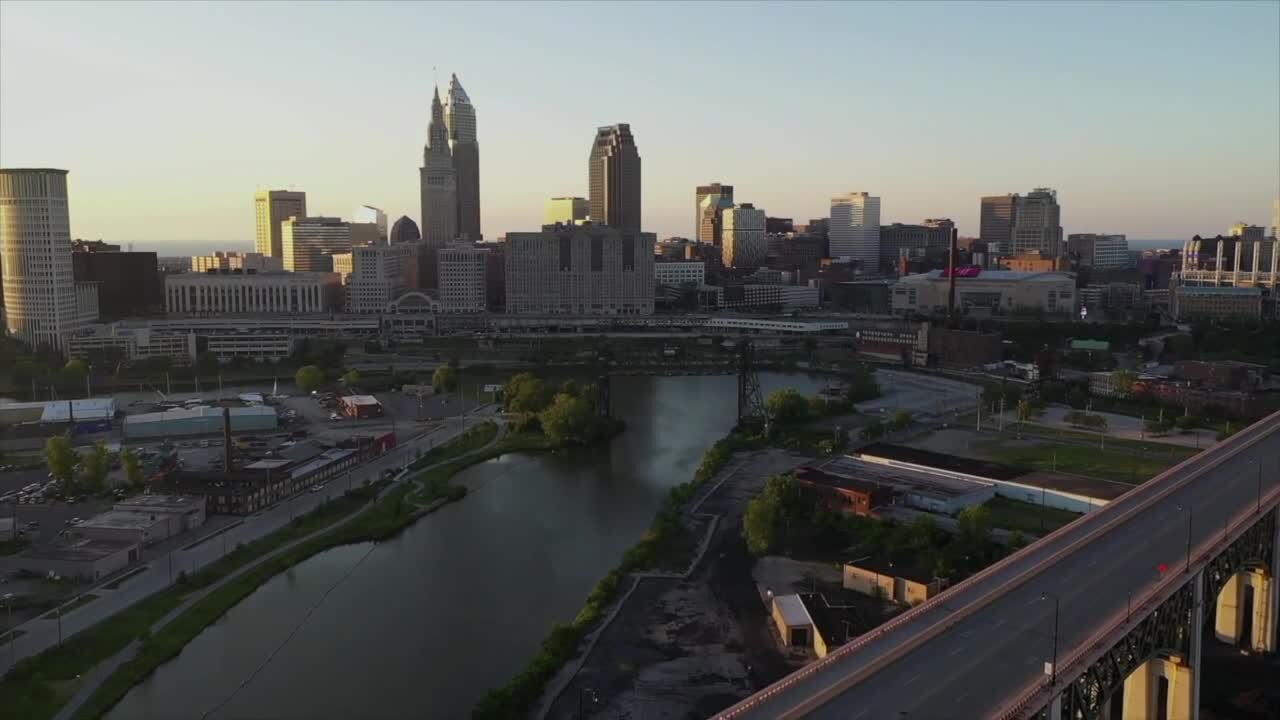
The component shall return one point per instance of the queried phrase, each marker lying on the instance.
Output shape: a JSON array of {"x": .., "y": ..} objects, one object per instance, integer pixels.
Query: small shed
[{"x": 796, "y": 626}]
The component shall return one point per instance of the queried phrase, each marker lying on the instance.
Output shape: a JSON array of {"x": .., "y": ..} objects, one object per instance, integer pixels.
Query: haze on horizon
[{"x": 1154, "y": 120}]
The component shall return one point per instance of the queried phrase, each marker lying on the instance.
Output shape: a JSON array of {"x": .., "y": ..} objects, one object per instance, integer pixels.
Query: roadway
[
  {"x": 947, "y": 660},
  {"x": 40, "y": 634}
]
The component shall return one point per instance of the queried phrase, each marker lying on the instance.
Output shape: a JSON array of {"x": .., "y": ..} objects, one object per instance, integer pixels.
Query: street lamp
[
  {"x": 586, "y": 692},
  {"x": 1190, "y": 523},
  {"x": 1053, "y": 672},
  {"x": 8, "y": 604}
]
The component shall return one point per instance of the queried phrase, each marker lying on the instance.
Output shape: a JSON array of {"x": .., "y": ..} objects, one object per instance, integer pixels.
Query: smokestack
[
  {"x": 226, "y": 440},
  {"x": 951, "y": 277}
]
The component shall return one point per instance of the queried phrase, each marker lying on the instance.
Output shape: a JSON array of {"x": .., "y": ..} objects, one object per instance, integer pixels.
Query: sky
[{"x": 1158, "y": 120}]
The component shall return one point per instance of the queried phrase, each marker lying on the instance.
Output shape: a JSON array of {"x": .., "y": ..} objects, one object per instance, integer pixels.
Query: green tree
[
  {"x": 132, "y": 467},
  {"x": 975, "y": 524},
  {"x": 759, "y": 525},
  {"x": 97, "y": 465},
  {"x": 75, "y": 369},
  {"x": 569, "y": 420},
  {"x": 570, "y": 388},
  {"x": 787, "y": 406},
  {"x": 1078, "y": 397},
  {"x": 444, "y": 379},
  {"x": 207, "y": 363},
  {"x": 901, "y": 420},
  {"x": 862, "y": 385},
  {"x": 1122, "y": 381},
  {"x": 61, "y": 460},
  {"x": 872, "y": 430},
  {"x": 308, "y": 378},
  {"x": 351, "y": 378},
  {"x": 1017, "y": 540},
  {"x": 525, "y": 392},
  {"x": 772, "y": 517}
]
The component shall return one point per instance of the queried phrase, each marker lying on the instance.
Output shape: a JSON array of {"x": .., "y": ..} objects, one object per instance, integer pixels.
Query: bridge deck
[{"x": 973, "y": 648}]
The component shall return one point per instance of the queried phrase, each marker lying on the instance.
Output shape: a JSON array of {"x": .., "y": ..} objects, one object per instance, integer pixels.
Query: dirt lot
[{"x": 688, "y": 648}]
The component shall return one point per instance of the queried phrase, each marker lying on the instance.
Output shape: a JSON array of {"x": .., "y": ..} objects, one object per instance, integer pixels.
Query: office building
[
  {"x": 1247, "y": 232},
  {"x": 309, "y": 241},
  {"x": 675, "y": 273},
  {"x": 369, "y": 215},
  {"x": 899, "y": 240},
  {"x": 775, "y": 297},
  {"x": 377, "y": 275},
  {"x": 995, "y": 222},
  {"x": 1037, "y": 225},
  {"x": 1192, "y": 302},
  {"x": 710, "y": 201},
  {"x": 1099, "y": 251},
  {"x": 128, "y": 282},
  {"x": 742, "y": 236},
  {"x": 567, "y": 211},
  {"x": 270, "y": 209},
  {"x": 613, "y": 172},
  {"x": 779, "y": 226},
  {"x": 438, "y": 182},
  {"x": 460, "y": 118},
  {"x": 35, "y": 256},
  {"x": 248, "y": 262},
  {"x": 461, "y": 278},
  {"x": 580, "y": 270},
  {"x": 405, "y": 230},
  {"x": 987, "y": 292},
  {"x": 231, "y": 292},
  {"x": 855, "y": 229}
]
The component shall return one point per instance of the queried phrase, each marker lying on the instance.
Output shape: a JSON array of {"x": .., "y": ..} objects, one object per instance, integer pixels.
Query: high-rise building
[
  {"x": 567, "y": 211},
  {"x": 855, "y": 229},
  {"x": 309, "y": 241},
  {"x": 743, "y": 237},
  {"x": 405, "y": 230},
  {"x": 369, "y": 215},
  {"x": 247, "y": 262},
  {"x": 995, "y": 225},
  {"x": 378, "y": 275},
  {"x": 1099, "y": 250},
  {"x": 438, "y": 182},
  {"x": 1275, "y": 219},
  {"x": 461, "y": 279},
  {"x": 580, "y": 270},
  {"x": 270, "y": 208},
  {"x": 460, "y": 116},
  {"x": 1247, "y": 232},
  {"x": 614, "y": 178},
  {"x": 1037, "y": 224},
  {"x": 710, "y": 202},
  {"x": 128, "y": 282},
  {"x": 899, "y": 240},
  {"x": 35, "y": 254}
]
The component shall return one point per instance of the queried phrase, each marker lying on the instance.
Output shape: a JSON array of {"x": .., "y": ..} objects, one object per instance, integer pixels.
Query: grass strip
[
  {"x": 1122, "y": 467},
  {"x": 1010, "y": 514}
]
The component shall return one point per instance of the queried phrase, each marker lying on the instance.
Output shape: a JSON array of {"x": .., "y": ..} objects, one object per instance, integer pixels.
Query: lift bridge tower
[{"x": 750, "y": 396}]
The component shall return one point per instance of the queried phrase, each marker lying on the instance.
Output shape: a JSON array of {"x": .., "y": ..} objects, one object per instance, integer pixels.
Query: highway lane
[
  {"x": 970, "y": 669},
  {"x": 41, "y": 634}
]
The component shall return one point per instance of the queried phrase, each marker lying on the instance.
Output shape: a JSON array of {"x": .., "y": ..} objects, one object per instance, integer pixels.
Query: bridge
[{"x": 1102, "y": 619}]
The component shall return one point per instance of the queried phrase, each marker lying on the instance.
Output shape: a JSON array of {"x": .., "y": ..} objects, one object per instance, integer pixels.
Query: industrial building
[
  {"x": 146, "y": 519},
  {"x": 89, "y": 415},
  {"x": 946, "y": 494},
  {"x": 198, "y": 421},
  {"x": 79, "y": 557},
  {"x": 898, "y": 582},
  {"x": 360, "y": 406},
  {"x": 261, "y": 484}
]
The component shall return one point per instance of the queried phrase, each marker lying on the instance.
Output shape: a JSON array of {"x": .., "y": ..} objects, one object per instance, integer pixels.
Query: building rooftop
[
  {"x": 816, "y": 476},
  {"x": 160, "y": 502},
  {"x": 119, "y": 520},
  {"x": 89, "y": 409},
  {"x": 904, "y": 570},
  {"x": 953, "y": 463},
  {"x": 77, "y": 548},
  {"x": 1210, "y": 290},
  {"x": 360, "y": 400},
  {"x": 793, "y": 611},
  {"x": 179, "y": 414},
  {"x": 903, "y": 479},
  {"x": 989, "y": 276}
]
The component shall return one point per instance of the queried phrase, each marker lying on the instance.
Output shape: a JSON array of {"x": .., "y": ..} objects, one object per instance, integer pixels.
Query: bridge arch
[{"x": 1239, "y": 583}]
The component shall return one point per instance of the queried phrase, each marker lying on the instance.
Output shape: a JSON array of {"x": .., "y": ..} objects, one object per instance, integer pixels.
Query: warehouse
[
  {"x": 361, "y": 406},
  {"x": 198, "y": 421},
  {"x": 131, "y": 527},
  {"x": 95, "y": 411},
  {"x": 916, "y": 488},
  {"x": 80, "y": 557}
]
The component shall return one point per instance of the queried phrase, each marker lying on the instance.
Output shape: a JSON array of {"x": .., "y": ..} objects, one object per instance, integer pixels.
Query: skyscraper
[
  {"x": 308, "y": 242},
  {"x": 614, "y": 178},
  {"x": 1037, "y": 224},
  {"x": 460, "y": 116},
  {"x": 855, "y": 229},
  {"x": 579, "y": 270},
  {"x": 270, "y": 208},
  {"x": 35, "y": 253},
  {"x": 566, "y": 211},
  {"x": 710, "y": 201},
  {"x": 995, "y": 224},
  {"x": 438, "y": 182},
  {"x": 743, "y": 238},
  {"x": 370, "y": 215}
]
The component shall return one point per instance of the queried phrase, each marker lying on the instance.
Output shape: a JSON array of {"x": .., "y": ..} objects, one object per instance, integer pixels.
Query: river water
[{"x": 421, "y": 626}]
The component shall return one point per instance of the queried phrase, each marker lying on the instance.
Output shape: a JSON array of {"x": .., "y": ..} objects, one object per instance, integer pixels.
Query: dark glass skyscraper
[
  {"x": 460, "y": 115},
  {"x": 614, "y": 178}
]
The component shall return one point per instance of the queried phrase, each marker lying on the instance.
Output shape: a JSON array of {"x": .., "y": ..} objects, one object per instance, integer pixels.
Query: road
[
  {"x": 41, "y": 634},
  {"x": 975, "y": 663}
]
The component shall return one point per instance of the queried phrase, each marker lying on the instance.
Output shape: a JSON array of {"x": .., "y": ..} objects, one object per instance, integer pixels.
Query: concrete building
[
  {"x": 679, "y": 272},
  {"x": 898, "y": 240},
  {"x": 370, "y": 215},
  {"x": 567, "y": 211},
  {"x": 847, "y": 495},
  {"x": 40, "y": 300},
  {"x": 239, "y": 293},
  {"x": 254, "y": 261},
  {"x": 145, "y": 519},
  {"x": 897, "y": 582},
  {"x": 438, "y": 182},
  {"x": 128, "y": 282},
  {"x": 270, "y": 209},
  {"x": 997, "y": 216},
  {"x": 580, "y": 270},
  {"x": 1192, "y": 302},
  {"x": 1037, "y": 224},
  {"x": 710, "y": 201},
  {"x": 132, "y": 343},
  {"x": 460, "y": 118},
  {"x": 261, "y": 484},
  {"x": 742, "y": 237},
  {"x": 461, "y": 279},
  {"x": 405, "y": 230},
  {"x": 1100, "y": 251},
  {"x": 1000, "y": 292},
  {"x": 377, "y": 276},
  {"x": 613, "y": 172},
  {"x": 855, "y": 229},
  {"x": 795, "y": 626},
  {"x": 779, "y": 297},
  {"x": 309, "y": 241},
  {"x": 944, "y": 494},
  {"x": 79, "y": 557}
]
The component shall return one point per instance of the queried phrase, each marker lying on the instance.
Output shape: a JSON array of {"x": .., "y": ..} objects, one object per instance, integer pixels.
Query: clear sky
[{"x": 1151, "y": 119}]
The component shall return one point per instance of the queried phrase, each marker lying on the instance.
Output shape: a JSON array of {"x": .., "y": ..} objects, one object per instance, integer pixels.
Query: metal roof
[
  {"x": 793, "y": 611},
  {"x": 88, "y": 409}
]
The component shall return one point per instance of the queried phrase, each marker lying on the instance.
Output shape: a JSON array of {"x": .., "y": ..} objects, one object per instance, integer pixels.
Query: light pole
[
  {"x": 1190, "y": 523},
  {"x": 1259, "y": 464},
  {"x": 8, "y": 605},
  {"x": 1053, "y": 671}
]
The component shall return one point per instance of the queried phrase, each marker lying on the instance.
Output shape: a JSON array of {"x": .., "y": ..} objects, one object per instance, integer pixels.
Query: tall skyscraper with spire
[
  {"x": 438, "y": 181},
  {"x": 460, "y": 117},
  {"x": 614, "y": 178}
]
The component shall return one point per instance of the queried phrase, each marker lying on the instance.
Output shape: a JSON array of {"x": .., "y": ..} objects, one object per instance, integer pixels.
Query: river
[{"x": 421, "y": 626}]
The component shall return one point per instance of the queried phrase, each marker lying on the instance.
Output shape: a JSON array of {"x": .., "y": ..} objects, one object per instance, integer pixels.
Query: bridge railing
[
  {"x": 1092, "y": 525},
  {"x": 1121, "y": 623}
]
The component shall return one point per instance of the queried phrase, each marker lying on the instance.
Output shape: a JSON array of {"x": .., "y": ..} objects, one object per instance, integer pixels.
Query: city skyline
[{"x": 1140, "y": 152}]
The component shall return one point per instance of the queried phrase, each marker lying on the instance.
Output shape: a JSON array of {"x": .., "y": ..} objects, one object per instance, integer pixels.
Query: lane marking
[
  {"x": 913, "y": 679},
  {"x": 957, "y": 651}
]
